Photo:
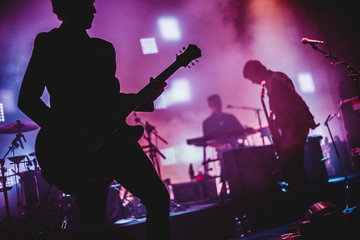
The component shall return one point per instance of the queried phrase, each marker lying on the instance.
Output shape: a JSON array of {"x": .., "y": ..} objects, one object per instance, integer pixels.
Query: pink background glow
[{"x": 228, "y": 32}]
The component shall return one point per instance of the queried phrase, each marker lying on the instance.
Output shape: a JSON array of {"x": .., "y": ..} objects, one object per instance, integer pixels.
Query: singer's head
[{"x": 254, "y": 71}]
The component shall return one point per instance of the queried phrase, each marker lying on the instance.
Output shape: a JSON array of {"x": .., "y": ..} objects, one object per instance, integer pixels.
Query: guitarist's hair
[
  {"x": 251, "y": 67},
  {"x": 62, "y": 7}
]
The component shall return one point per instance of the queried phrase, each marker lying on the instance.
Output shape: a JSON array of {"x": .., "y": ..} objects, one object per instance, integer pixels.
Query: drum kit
[
  {"x": 32, "y": 188},
  {"x": 28, "y": 196}
]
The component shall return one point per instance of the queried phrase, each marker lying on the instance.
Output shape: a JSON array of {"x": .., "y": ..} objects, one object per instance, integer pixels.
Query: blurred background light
[
  {"x": 169, "y": 28},
  {"x": 178, "y": 91},
  {"x": 169, "y": 153},
  {"x": 306, "y": 82}
]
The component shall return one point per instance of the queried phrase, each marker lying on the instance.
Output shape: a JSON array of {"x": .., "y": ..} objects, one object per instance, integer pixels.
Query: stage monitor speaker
[
  {"x": 195, "y": 191},
  {"x": 350, "y": 113},
  {"x": 249, "y": 171}
]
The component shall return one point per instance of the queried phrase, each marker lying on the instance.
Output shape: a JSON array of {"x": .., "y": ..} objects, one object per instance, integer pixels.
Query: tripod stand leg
[{"x": 6, "y": 199}]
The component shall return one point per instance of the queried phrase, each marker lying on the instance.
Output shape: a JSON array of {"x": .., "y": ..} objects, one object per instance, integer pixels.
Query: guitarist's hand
[{"x": 158, "y": 88}]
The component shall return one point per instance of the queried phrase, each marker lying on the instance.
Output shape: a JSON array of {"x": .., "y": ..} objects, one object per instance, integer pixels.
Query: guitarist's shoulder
[{"x": 103, "y": 44}]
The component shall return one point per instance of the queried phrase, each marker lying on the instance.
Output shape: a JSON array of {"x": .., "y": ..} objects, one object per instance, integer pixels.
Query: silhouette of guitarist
[
  {"x": 291, "y": 120},
  {"x": 85, "y": 101}
]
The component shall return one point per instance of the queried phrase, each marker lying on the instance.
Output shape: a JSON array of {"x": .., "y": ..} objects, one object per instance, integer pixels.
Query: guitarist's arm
[
  {"x": 155, "y": 88},
  {"x": 127, "y": 98},
  {"x": 32, "y": 87}
]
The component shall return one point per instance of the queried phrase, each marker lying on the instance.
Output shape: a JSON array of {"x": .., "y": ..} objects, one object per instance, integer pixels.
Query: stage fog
[{"x": 228, "y": 33}]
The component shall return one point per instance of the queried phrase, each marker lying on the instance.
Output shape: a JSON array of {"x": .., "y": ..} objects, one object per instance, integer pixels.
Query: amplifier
[
  {"x": 249, "y": 171},
  {"x": 350, "y": 114}
]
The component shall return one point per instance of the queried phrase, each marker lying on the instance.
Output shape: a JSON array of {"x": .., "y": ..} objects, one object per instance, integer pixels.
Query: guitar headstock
[{"x": 192, "y": 52}]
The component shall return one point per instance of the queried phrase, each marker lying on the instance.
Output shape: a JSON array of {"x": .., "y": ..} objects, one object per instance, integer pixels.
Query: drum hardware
[
  {"x": 65, "y": 208},
  {"x": 154, "y": 151},
  {"x": 16, "y": 160},
  {"x": 18, "y": 128},
  {"x": 127, "y": 206}
]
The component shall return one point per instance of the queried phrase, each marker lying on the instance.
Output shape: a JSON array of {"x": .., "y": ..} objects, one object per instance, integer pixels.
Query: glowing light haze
[{"x": 229, "y": 32}]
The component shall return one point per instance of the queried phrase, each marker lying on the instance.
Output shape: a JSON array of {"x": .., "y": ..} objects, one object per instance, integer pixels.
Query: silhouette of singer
[{"x": 79, "y": 74}]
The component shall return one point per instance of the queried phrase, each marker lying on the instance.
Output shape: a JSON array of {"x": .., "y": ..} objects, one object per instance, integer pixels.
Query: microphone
[
  {"x": 229, "y": 106},
  {"x": 311, "y": 41},
  {"x": 330, "y": 117}
]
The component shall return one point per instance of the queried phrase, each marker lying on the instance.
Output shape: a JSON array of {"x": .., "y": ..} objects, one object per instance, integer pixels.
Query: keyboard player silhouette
[{"x": 218, "y": 128}]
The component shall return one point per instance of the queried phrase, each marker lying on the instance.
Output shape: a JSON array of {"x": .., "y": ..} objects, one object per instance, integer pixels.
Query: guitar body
[{"x": 70, "y": 156}]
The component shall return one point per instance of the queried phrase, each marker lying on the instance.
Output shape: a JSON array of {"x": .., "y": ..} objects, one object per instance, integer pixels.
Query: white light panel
[{"x": 148, "y": 46}]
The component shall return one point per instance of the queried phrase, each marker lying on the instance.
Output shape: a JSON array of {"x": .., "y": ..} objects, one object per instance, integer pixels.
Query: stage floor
[
  {"x": 200, "y": 220},
  {"x": 195, "y": 221}
]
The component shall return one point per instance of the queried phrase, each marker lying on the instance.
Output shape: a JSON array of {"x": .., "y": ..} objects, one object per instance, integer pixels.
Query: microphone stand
[
  {"x": 257, "y": 112},
  {"x": 354, "y": 75},
  {"x": 14, "y": 145},
  {"x": 331, "y": 116},
  {"x": 150, "y": 129},
  {"x": 153, "y": 150},
  {"x": 354, "y": 72}
]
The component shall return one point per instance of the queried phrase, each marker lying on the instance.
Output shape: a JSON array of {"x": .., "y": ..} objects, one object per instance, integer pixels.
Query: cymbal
[
  {"x": 18, "y": 127},
  {"x": 17, "y": 159}
]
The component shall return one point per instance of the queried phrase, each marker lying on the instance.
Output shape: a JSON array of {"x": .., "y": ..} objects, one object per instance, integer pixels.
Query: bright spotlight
[
  {"x": 169, "y": 28},
  {"x": 177, "y": 92},
  {"x": 306, "y": 83},
  {"x": 7, "y": 97},
  {"x": 148, "y": 46},
  {"x": 180, "y": 91},
  {"x": 169, "y": 153},
  {"x": 2, "y": 115}
]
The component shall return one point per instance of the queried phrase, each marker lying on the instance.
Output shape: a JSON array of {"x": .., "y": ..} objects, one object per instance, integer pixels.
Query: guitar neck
[
  {"x": 143, "y": 95},
  {"x": 192, "y": 52},
  {"x": 271, "y": 123}
]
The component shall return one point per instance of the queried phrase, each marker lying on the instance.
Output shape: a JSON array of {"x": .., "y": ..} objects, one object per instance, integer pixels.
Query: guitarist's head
[
  {"x": 254, "y": 71},
  {"x": 77, "y": 13}
]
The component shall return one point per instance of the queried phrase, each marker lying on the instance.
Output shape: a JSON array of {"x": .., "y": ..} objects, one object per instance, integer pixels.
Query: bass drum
[{"x": 34, "y": 190}]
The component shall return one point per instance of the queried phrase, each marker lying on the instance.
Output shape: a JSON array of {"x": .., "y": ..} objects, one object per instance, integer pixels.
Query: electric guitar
[
  {"x": 271, "y": 122},
  {"x": 67, "y": 153}
]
